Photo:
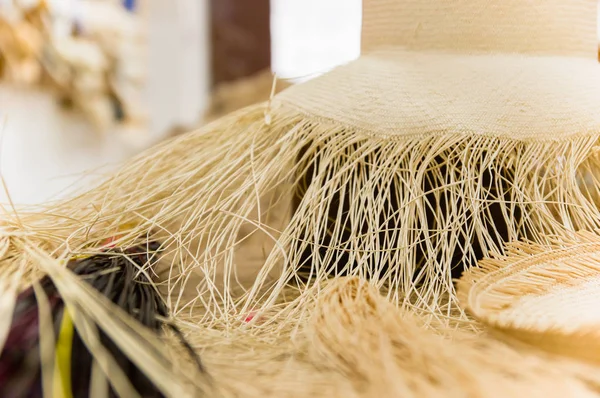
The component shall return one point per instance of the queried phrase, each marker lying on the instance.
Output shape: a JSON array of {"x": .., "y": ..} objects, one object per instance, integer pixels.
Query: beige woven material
[
  {"x": 401, "y": 168},
  {"x": 408, "y": 93},
  {"x": 503, "y": 68},
  {"x": 530, "y": 27},
  {"x": 546, "y": 296}
]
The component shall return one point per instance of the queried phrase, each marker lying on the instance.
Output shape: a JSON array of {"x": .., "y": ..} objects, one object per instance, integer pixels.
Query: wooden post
[{"x": 241, "y": 38}]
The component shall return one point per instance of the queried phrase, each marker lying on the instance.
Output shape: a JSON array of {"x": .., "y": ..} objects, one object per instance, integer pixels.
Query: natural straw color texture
[
  {"x": 400, "y": 168},
  {"x": 546, "y": 296},
  {"x": 385, "y": 352},
  {"x": 529, "y": 99},
  {"x": 549, "y": 27}
]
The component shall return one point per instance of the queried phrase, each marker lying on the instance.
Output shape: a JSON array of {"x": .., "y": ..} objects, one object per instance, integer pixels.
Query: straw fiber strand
[
  {"x": 447, "y": 209},
  {"x": 90, "y": 311},
  {"x": 386, "y": 352},
  {"x": 296, "y": 235}
]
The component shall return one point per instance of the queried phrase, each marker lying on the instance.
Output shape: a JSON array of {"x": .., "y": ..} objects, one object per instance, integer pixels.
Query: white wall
[{"x": 312, "y": 36}]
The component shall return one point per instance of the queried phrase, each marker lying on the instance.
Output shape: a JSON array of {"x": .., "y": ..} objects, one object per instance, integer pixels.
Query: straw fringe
[
  {"x": 250, "y": 208},
  {"x": 387, "y": 352},
  {"x": 401, "y": 212}
]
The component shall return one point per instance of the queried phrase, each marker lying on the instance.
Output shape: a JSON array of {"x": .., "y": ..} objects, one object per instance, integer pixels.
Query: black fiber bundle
[{"x": 116, "y": 274}]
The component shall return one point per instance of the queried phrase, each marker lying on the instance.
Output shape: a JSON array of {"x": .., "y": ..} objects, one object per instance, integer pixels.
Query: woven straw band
[
  {"x": 409, "y": 94},
  {"x": 549, "y": 27}
]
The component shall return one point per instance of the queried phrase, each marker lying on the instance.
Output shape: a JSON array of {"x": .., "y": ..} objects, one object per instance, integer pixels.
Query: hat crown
[{"x": 536, "y": 27}]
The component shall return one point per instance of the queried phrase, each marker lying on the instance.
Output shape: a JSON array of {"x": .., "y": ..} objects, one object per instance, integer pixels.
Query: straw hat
[
  {"x": 462, "y": 126},
  {"x": 545, "y": 296},
  {"x": 516, "y": 69}
]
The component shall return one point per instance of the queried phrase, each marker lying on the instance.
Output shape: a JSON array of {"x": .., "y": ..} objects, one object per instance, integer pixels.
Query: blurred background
[{"x": 86, "y": 84}]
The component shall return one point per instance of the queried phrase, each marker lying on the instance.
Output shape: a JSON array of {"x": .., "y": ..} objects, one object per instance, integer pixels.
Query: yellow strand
[{"x": 62, "y": 364}]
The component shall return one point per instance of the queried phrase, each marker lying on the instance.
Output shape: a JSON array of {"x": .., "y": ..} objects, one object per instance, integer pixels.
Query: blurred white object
[
  {"x": 78, "y": 42},
  {"x": 45, "y": 150},
  {"x": 88, "y": 81},
  {"x": 598, "y": 29},
  {"x": 81, "y": 53},
  {"x": 179, "y": 70},
  {"x": 310, "y": 37},
  {"x": 10, "y": 11},
  {"x": 101, "y": 17},
  {"x": 26, "y": 4},
  {"x": 178, "y": 55}
]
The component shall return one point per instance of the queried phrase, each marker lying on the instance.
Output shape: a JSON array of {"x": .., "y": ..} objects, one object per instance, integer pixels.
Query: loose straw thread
[
  {"x": 388, "y": 353},
  {"x": 234, "y": 244},
  {"x": 206, "y": 212}
]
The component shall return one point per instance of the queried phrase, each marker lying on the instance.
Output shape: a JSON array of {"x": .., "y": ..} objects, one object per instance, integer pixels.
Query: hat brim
[
  {"x": 546, "y": 296},
  {"x": 406, "y": 93}
]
